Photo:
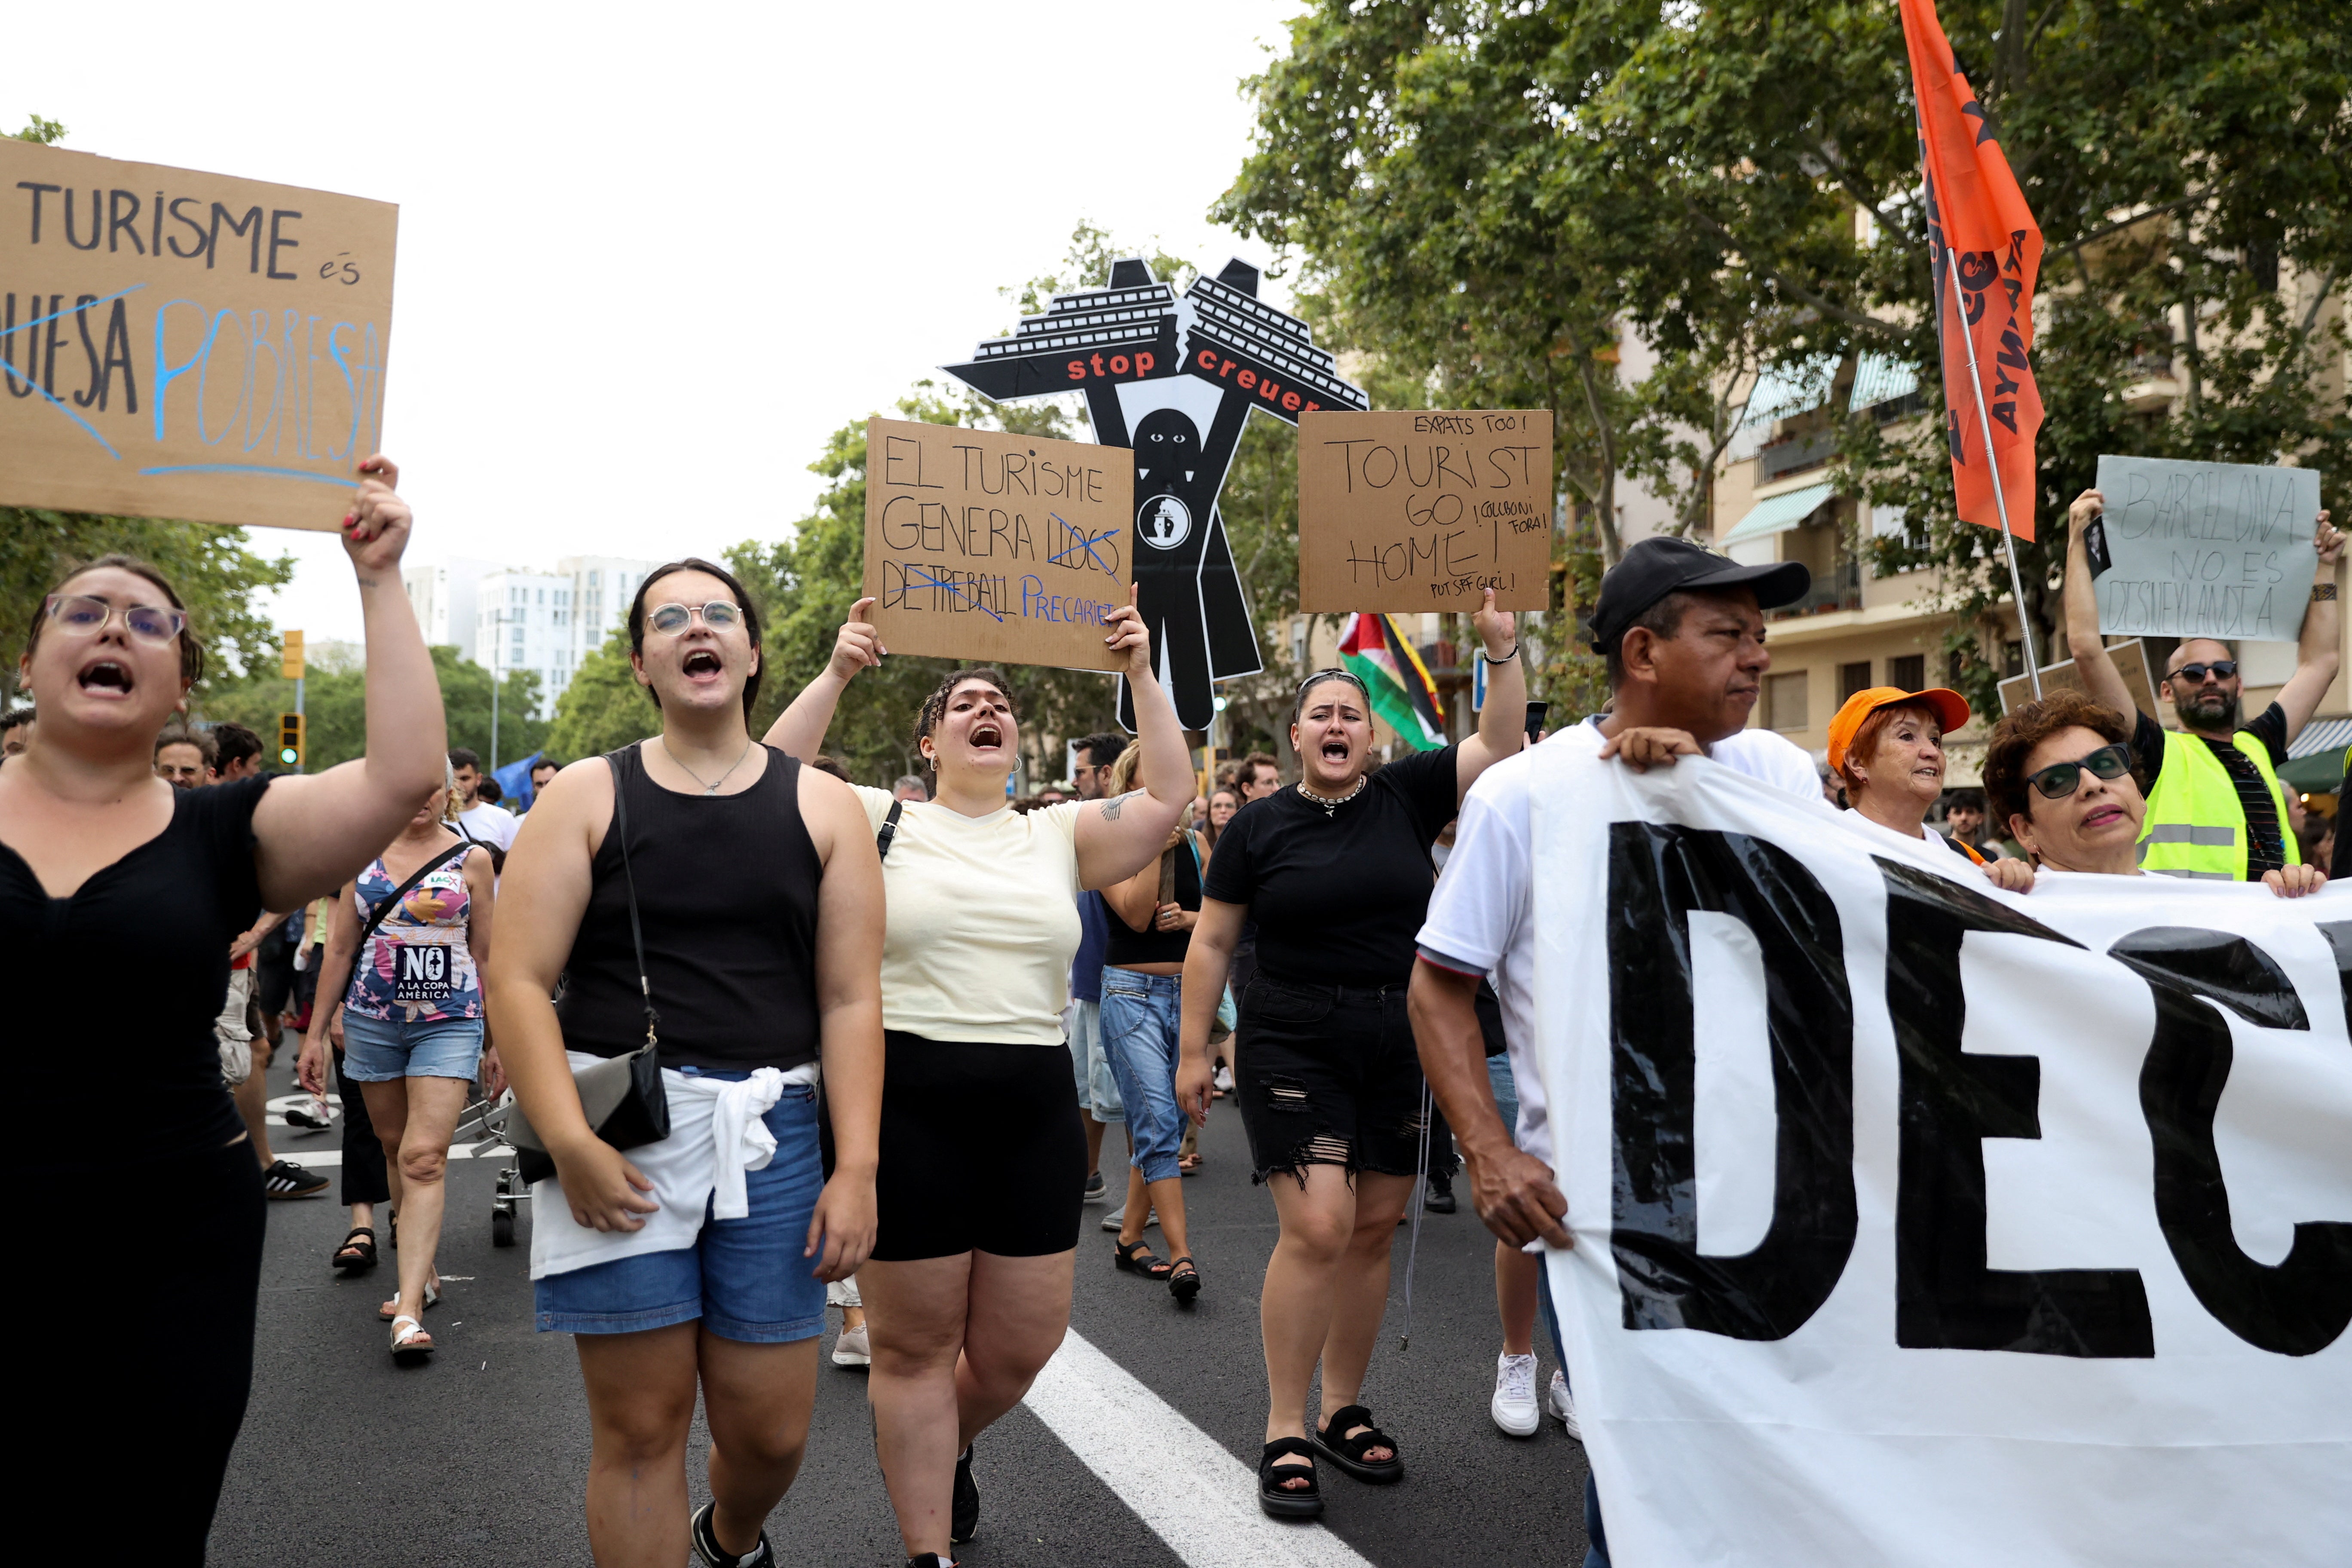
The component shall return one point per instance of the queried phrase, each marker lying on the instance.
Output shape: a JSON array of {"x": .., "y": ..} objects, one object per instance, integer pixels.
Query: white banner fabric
[{"x": 1947, "y": 1225}]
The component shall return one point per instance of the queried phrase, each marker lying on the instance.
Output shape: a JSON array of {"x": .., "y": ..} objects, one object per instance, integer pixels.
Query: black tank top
[
  {"x": 1126, "y": 945},
  {"x": 727, "y": 892}
]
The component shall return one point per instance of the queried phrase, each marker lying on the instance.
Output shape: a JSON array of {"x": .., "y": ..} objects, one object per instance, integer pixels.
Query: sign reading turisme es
[
  {"x": 187, "y": 345},
  {"x": 990, "y": 545}
]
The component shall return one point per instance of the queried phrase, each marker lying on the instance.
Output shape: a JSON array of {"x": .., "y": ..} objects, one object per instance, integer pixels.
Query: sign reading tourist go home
[
  {"x": 1174, "y": 377},
  {"x": 189, "y": 345}
]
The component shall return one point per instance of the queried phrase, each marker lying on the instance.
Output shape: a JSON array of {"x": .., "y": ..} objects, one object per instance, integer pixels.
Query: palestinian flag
[{"x": 1378, "y": 655}]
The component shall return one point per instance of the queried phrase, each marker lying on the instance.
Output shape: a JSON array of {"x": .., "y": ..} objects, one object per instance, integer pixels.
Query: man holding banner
[{"x": 2215, "y": 807}]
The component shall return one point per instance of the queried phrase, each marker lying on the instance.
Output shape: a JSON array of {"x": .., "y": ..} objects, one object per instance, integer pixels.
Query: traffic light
[{"x": 289, "y": 739}]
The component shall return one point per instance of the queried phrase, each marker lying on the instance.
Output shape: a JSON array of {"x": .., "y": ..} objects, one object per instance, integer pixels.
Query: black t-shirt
[
  {"x": 139, "y": 953},
  {"x": 2265, "y": 837},
  {"x": 1338, "y": 895}
]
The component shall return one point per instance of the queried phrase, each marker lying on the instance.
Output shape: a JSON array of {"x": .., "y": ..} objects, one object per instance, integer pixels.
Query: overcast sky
[{"x": 651, "y": 256}]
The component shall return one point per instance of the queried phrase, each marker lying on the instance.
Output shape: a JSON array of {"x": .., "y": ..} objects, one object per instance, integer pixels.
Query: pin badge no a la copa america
[{"x": 1175, "y": 378}]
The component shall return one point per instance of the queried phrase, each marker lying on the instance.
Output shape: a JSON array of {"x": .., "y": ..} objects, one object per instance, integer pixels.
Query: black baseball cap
[{"x": 1655, "y": 568}]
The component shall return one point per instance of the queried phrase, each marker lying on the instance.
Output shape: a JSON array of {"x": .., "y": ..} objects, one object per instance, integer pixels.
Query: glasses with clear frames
[
  {"x": 86, "y": 614},
  {"x": 719, "y": 615}
]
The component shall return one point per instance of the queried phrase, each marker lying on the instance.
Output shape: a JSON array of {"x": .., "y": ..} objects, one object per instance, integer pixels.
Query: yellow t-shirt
[{"x": 981, "y": 921}]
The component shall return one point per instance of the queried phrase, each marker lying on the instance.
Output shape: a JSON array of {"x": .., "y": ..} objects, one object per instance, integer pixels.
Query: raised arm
[
  {"x": 1116, "y": 838},
  {"x": 799, "y": 730},
  {"x": 2319, "y": 650},
  {"x": 2100, "y": 677},
  {"x": 315, "y": 832},
  {"x": 1502, "y": 722}
]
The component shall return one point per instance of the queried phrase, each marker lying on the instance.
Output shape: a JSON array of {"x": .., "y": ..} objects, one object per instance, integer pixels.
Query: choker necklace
[
  {"x": 689, "y": 772},
  {"x": 1332, "y": 803}
]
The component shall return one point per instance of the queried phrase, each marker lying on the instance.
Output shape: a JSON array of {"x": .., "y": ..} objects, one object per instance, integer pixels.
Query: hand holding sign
[
  {"x": 1129, "y": 639},
  {"x": 857, "y": 647},
  {"x": 376, "y": 529},
  {"x": 2210, "y": 550}
]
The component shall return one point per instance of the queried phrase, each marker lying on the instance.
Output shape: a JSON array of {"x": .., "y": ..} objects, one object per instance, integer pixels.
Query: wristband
[
  {"x": 1507, "y": 658},
  {"x": 2323, "y": 593}
]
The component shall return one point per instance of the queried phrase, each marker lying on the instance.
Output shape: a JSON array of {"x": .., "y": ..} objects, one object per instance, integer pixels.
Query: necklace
[
  {"x": 1332, "y": 803},
  {"x": 708, "y": 787}
]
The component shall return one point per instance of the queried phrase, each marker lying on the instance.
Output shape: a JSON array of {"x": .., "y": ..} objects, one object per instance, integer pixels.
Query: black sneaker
[
  {"x": 287, "y": 1180},
  {"x": 1439, "y": 1199},
  {"x": 1098, "y": 1189},
  {"x": 705, "y": 1544},
  {"x": 963, "y": 1511}
]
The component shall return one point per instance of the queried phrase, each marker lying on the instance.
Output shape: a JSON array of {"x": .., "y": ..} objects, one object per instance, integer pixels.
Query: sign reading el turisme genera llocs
[{"x": 186, "y": 345}]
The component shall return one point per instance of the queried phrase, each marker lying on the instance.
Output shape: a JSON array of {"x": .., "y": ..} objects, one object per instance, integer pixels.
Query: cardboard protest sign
[
  {"x": 984, "y": 546},
  {"x": 1424, "y": 509},
  {"x": 1916, "y": 1222},
  {"x": 2204, "y": 550},
  {"x": 187, "y": 345},
  {"x": 1174, "y": 378},
  {"x": 2131, "y": 662}
]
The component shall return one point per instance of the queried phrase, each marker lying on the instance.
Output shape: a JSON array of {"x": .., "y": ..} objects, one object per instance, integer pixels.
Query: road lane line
[{"x": 1194, "y": 1495}]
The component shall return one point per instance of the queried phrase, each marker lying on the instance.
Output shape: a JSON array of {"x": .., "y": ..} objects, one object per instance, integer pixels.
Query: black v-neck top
[{"x": 117, "y": 988}]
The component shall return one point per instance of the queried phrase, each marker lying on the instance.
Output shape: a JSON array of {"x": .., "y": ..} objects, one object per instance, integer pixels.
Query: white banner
[{"x": 1945, "y": 1226}]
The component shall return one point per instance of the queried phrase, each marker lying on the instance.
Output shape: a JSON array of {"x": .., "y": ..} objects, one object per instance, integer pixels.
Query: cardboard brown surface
[
  {"x": 1424, "y": 510},
  {"x": 994, "y": 547},
  {"x": 2130, "y": 655},
  {"x": 263, "y": 386}
]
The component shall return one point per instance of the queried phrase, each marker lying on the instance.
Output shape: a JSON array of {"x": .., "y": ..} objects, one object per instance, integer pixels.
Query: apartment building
[{"x": 551, "y": 621}]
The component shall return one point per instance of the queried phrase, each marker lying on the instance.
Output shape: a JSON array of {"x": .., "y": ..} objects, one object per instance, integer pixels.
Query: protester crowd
[{"x": 888, "y": 1032}]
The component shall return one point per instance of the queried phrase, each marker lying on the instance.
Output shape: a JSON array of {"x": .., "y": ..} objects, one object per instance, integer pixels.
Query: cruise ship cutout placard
[{"x": 1175, "y": 378}]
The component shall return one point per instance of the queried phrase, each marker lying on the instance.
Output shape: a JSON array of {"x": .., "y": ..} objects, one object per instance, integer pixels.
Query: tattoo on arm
[{"x": 1115, "y": 804}]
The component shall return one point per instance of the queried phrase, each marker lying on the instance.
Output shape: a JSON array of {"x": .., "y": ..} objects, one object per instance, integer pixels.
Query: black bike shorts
[{"x": 981, "y": 1151}]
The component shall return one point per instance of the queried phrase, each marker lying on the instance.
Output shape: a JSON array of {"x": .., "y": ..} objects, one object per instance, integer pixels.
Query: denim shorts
[
  {"x": 1140, "y": 1018},
  {"x": 1097, "y": 1089},
  {"x": 1507, "y": 1093},
  {"x": 744, "y": 1279},
  {"x": 381, "y": 1050}
]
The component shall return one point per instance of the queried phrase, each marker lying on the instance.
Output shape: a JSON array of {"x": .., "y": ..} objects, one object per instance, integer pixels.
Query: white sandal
[
  {"x": 405, "y": 1350},
  {"x": 432, "y": 1299}
]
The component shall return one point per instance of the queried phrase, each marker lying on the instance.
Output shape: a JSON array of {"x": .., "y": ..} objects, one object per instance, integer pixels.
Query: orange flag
[{"x": 1975, "y": 209}]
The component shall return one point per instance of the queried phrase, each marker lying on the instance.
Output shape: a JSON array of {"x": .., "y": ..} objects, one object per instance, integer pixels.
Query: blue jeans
[
  {"x": 382, "y": 1050},
  {"x": 1097, "y": 1089},
  {"x": 1506, "y": 1092},
  {"x": 745, "y": 1278},
  {"x": 1140, "y": 1018}
]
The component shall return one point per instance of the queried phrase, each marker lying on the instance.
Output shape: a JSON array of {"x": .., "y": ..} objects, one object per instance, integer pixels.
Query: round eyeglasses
[
  {"x": 719, "y": 615},
  {"x": 86, "y": 614}
]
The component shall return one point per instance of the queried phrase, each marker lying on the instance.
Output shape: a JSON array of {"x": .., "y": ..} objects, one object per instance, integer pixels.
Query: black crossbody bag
[{"x": 622, "y": 1097}]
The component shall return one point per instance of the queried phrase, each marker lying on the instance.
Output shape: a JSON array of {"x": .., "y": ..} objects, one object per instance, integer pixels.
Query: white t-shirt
[
  {"x": 1478, "y": 917},
  {"x": 981, "y": 921},
  {"x": 491, "y": 825}
]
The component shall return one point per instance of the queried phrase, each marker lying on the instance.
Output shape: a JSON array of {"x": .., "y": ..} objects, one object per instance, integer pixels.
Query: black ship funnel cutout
[{"x": 1175, "y": 378}]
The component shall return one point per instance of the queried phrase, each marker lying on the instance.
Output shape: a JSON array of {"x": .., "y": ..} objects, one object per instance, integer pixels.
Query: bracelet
[
  {"x": 2323, "y": 594},
  {"x": 1507, "y": 658}
]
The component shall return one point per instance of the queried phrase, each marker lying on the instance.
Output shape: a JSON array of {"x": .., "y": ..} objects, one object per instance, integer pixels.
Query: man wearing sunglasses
[{"x": 2215, "y": 808}]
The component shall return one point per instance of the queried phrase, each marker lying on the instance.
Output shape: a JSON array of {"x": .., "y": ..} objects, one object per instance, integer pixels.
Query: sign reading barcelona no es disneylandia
[
  {"x": 183, "y": 344},
  {"x": 2204, "y": 550}
]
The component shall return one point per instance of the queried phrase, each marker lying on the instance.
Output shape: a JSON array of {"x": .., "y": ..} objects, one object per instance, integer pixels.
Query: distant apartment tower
[
  {"x": 444, "y": 599},
  {"x": 551, "y": 621}
]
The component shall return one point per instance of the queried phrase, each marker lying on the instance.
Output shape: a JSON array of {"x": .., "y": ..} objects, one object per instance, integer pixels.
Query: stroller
[{"x": 480, "y": 1123}]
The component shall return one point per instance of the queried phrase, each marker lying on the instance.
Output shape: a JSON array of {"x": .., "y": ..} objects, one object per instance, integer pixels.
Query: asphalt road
[{"x": 478, "y": 1458}]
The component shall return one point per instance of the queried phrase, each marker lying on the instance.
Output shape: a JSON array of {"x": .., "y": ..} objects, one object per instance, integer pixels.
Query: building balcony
[
  {"x": 1840, "y": 588},
  {"x": 1795, "y": 454}
]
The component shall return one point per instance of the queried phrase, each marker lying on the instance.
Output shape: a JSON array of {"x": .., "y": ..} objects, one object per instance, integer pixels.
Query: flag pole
[{"x": 1992, "y": 465}]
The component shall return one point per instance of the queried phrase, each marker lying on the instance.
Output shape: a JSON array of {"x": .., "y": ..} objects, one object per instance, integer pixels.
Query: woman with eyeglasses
[
  {"x": 983, "y": 1160},
  {"x": 2059, "y": 772},
  {"x": 710, "y": 894},
  {"x": 1336, "y": 872},
  {"x": 1887, "y": 746},
  {"x": 409, "y": 998},
  {"x": 107, "y": 874}
]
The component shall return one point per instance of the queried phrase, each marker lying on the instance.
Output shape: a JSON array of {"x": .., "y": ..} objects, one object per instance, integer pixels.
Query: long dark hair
[
  {"x": 744, "y": 601},
  {"x": 192, "y": 647}
]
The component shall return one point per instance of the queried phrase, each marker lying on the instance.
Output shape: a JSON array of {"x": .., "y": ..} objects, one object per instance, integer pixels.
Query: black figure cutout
[{"x": 1140, "y": 354}]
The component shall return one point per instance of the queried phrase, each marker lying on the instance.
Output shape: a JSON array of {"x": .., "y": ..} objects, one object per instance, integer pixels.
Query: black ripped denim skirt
[{"x": 1326, "y": 1074}]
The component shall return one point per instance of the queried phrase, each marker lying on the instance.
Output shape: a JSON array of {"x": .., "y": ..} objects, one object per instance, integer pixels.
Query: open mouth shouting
[
  {"x": 108, "y": 677},
  {"x": 987, "y": 735},
  {"x": 702, "y": 665},
  {"x": 1334, "y": 751}
]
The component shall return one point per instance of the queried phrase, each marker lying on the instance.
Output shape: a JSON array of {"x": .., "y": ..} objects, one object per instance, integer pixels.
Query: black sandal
[
  {"x": 1348, "y": 1453},
  {"x": 1282, "y": 1502},
  {"x": 357, "y": 1253},
  {"x": 1137, "y": 1257},
  {"x": 1183, "y": 1281}
]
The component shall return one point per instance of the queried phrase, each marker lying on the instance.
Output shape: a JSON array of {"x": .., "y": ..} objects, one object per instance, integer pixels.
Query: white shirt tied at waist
[{"x": 716, "y": 1135}]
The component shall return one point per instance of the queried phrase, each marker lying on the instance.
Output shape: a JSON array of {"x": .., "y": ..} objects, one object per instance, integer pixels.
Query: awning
[
  {"x": 2315, "y": 761},
  {"x": 1880, "y": 378},
  {"x": 2322, "y": 735},
  {"x": 1778, "y": 515}
]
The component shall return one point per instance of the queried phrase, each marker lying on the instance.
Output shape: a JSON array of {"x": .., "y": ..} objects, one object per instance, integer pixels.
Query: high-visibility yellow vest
[{"x": 2196, "y": 825}]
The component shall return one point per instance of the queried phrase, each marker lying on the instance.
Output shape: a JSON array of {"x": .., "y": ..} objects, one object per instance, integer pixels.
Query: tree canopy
[{"x": 334, "y": 707}]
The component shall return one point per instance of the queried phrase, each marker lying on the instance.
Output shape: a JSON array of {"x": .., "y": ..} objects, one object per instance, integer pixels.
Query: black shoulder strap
[
  {"x": 637, "y": 932},
  {"x": 498, "y": 856},
  {"x": 889, "y": 829},
  {"x": 401, "y": 891}
]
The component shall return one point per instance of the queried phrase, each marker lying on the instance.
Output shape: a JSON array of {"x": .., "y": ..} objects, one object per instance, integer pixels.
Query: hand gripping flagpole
[{"x": 1992, "y": 467}]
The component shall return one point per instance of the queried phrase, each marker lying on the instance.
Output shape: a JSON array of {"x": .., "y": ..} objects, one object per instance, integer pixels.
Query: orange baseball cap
[{"x": 1951, "y": 711}]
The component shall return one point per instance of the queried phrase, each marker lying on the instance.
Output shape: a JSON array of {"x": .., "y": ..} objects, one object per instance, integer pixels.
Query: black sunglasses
[
  {"x": 2060, "y": 780},
  {"x": 2222, "y": 669}
]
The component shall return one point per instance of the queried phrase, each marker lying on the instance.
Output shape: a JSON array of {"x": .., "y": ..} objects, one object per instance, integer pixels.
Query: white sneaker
[
  {"x": 1562, "y": 1408},
  {"x": 851, "y": 1349},
  {"x": 1225, "y": 1080},
  {"x": 1514, "y": 1407}
]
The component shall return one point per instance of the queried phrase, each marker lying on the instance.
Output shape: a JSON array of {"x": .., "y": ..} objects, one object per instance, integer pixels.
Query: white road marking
[{"x": 1195, "y": 1496}]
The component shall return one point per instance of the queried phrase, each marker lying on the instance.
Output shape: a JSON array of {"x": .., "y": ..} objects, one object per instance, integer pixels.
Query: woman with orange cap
[{"x": 1887, "y": 744}]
